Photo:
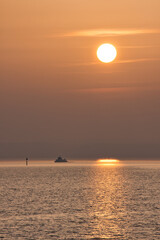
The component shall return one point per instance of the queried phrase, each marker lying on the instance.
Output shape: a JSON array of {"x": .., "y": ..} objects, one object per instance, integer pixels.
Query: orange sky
[{"x": 57, "y": 98}]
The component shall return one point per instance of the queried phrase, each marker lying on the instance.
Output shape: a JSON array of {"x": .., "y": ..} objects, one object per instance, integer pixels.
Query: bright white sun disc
[{"x": 106, "y": 53}]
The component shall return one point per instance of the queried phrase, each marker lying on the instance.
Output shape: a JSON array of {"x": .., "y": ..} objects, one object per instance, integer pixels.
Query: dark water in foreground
[{"x": 81, "y": 201}]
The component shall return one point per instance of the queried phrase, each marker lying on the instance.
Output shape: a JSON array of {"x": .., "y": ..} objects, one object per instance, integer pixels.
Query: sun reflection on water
[
  {"x": 108, "y": 161},
  {"x": 108, "y": 202}
]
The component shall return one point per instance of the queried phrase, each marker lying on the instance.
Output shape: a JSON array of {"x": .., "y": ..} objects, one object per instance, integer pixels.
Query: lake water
[{"x": 80, "y": 201}]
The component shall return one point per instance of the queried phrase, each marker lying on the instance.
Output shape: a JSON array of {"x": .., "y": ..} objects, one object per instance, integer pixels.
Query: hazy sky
[{"x": 56, "y": 97}]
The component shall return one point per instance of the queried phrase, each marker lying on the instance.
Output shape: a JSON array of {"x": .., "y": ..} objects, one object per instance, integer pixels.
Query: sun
[{"x": 106, "y": 53}]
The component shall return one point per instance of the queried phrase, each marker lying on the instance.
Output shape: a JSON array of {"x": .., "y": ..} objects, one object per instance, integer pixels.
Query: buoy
[{"x": 26, "y": 161}]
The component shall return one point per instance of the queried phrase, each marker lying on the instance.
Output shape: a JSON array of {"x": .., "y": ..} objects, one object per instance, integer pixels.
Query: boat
[{"x": 60, "y": 159}]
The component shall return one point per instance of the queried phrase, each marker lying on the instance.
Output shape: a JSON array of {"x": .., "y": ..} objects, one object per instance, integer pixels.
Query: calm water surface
[{"x": 80, "y": 201}]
